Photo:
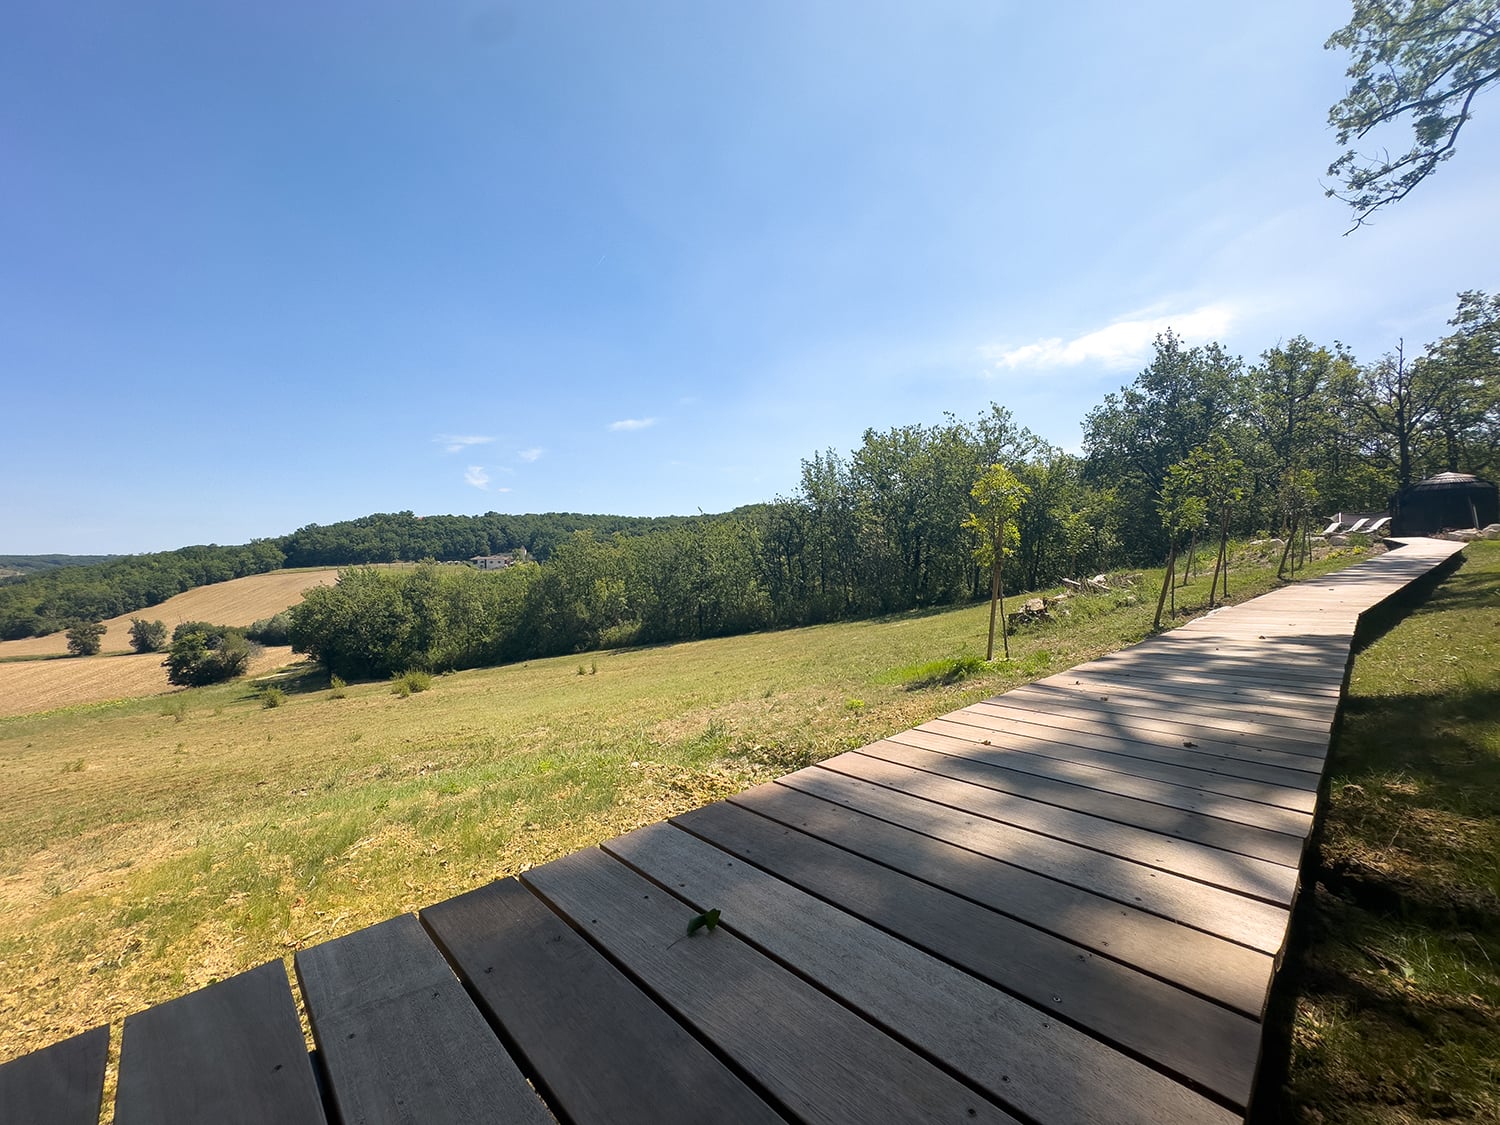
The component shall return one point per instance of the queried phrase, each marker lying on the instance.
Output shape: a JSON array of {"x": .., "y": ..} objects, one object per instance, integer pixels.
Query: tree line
[
  {"x": 1201, "y": 444},
  {"x": 50, "y": 600}
]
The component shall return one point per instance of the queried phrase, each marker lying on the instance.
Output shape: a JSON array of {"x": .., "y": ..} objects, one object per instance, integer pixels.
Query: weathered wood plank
[
  {"x": 1310, "y": 678},
  {"x": 1242, "y": 874},
  {"x": 900, "y": 988},
  {"x": 1139, "y": 698},
  {"x": 1188, "y": 733},
  {"x": 820, "y": 1060},
  {"x": 1183, "y": 747},
  {"x": 1026, "y": 1058},
  {"x": 1240, "y": 698},
  {"x": 1109, "y": 752},
  {"x": 1257, "y": 704},
  {"x": 1098, "y": 747},
  {"x": 1008, "y": 752},
  {"x": 229, "y": 1053},
  {"x": 603, "y": 1050},
  {"x": 1229, "y": 835},
  {"x": 59, "y": 1085},
  {"x": 1203, "y": 963},
  {"x": 399, "y": 1037},
  {"x": 1260, "y": 925}
]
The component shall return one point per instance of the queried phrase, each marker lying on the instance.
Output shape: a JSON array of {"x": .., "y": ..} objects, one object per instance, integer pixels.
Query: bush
[
  {"x": 147, "y": 636},
  {"x": 206, "y": 654},
  {"x": 84, "y": 637},
  {"x": 271, "y": 630},
  {"x": 272, "y": 697},
  {"x": 407, "y": 682},
  {"x": 337, "y": 687}
]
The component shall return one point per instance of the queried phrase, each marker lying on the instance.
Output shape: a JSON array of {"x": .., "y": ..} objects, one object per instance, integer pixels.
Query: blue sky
[{"x": 266, "y": 265}]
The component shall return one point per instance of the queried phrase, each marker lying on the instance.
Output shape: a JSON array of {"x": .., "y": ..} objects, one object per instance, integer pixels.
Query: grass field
[
  {"x": 29, "y": 686},
  {"x": 152, "y": 846},
  {"x": 1393, "y": 980},
  {"x": 36, "y": 675},
  {"x": 237, "y": 602}
]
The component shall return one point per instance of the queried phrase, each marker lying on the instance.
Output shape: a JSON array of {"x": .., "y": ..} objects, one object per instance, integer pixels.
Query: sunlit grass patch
[{"x": 1396, "y": 977}]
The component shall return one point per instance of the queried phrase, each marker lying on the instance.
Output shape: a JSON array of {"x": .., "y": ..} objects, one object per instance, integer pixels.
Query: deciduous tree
[
  {"x": 147, "y": 636},
  {"x": 84, "y": 637},
  {"x": 997, "y": 496},
  {"x": 1421, "y": 62}
]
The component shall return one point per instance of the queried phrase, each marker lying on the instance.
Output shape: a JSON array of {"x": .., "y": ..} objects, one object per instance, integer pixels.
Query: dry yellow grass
[
  {"x": 240, "y": 601},
  {"x": 28, "y": 686}
]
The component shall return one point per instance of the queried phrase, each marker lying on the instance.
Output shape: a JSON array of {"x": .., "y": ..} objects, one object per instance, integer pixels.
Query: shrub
[
  {"x": 337, "y": 689},
  {"x": 206, "y": 654},
  {"x": 84, "y": 637},
  {"x": 275, "y": 630},
  {"x": 272, "y": 697},
  {"x": 414, "y": 680},
  {"x": 147, "y": 636}
]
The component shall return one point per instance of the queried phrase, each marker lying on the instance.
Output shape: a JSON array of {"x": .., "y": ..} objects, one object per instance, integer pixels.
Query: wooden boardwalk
[{"x": 1063, "y": 904}]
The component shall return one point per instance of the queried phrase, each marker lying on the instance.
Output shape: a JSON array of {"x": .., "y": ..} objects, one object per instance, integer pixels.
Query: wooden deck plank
[
  {"x": 1242, "y": 697},
  {"x": 1211, "y": 966},
  {"x": 820, "y": 1060},
  {"x": 999, "y": 752},
  {"x": 1268, "y": 707},
  {"x": 1190, "y": 732},
  {"x": 1312, "y": 678},
  {"x": 1228, "y": 835},
  {"x": 604, "y": 1051},
  {"x": 1025, "y": 1058},
  {"x": 1260, "y": 925},
  {"x": 1139, "y": 698},
  {"x": 1246, "y": 875},
  {"x": 227, "y": 1054},
  {"x": 400, "y": 1038},
  {"x": 1175, "y": 1031},
  {"x": 1096, "y": 747},
  {"x": 1193, "y": 747},
  {"x": 59, "y": 1085}
]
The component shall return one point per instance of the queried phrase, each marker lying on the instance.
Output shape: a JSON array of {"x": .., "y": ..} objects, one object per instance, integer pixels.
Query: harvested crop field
[
  {"x": 239, "y": 601},
  {"x": 28, "y": 686}
]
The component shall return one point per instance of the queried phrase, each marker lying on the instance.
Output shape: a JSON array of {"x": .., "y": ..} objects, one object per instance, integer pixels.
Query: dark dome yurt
[{"x": 1443, "y": 503}]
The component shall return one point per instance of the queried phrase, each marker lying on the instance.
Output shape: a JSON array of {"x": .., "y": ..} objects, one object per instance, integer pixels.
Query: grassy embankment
[
  {"x": 1393, "y": 980},
  {"x": 148, "y": 847}
]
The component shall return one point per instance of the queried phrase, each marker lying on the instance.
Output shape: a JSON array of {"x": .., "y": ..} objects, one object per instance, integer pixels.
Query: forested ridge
[{"x": 1305, "y": 428}]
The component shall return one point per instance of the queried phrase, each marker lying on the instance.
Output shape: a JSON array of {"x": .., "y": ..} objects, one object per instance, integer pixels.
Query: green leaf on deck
[{"x": 707, "y": 920}]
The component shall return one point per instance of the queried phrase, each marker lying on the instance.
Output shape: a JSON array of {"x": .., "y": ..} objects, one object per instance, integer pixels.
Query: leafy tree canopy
[
  {"x": 1416, "y": 61},
  {"x": 84, "y": 637}
]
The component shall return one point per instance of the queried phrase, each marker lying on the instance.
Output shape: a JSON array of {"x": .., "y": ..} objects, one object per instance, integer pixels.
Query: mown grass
[
  {"x": 1392, "y": 987},
  {"x": 147, "y": 848}
]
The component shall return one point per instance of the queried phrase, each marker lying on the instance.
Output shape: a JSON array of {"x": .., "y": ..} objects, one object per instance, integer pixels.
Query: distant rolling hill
[
  {"x": 19, "y": 566},
  {"x": 237, "y": 602}
]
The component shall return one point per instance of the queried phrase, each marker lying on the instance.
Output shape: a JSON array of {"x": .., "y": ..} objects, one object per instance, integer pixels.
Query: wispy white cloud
[
  {"x": 632, "y": 424},
  {"x": 1121, "y": 344},
  {"x": 476, "y": 476},
  {"x": 529, "y": 454},
  {"x": 457, "y": 443}
]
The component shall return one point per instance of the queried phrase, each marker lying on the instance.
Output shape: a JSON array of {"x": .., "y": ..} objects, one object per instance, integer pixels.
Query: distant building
[
  {"x": 500, "y": 562},
  {"x": 1444, "y": 503}
]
